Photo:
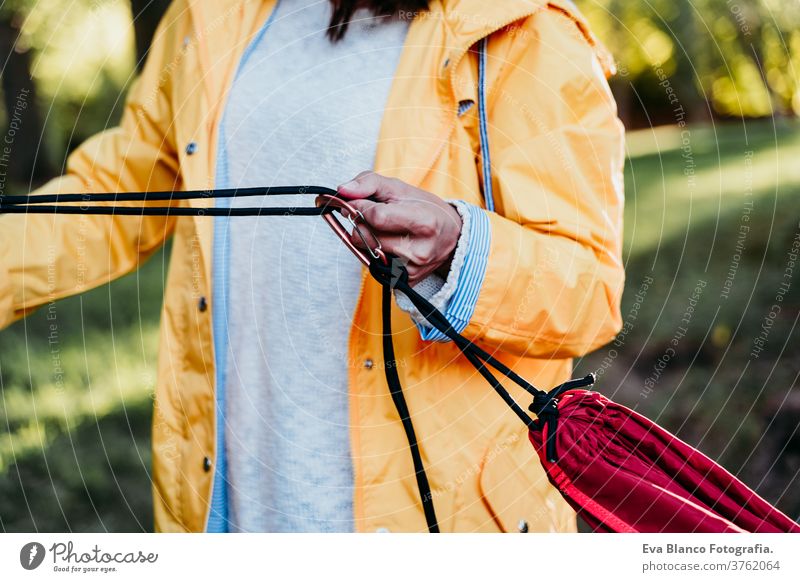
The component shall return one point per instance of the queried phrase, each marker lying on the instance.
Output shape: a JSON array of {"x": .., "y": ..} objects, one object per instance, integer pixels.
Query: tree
[
  {"x": 27, "y": 161},
  {"x": 146, "y": 15}
]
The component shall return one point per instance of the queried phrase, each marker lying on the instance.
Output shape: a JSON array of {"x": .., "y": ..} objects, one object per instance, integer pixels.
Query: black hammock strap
[
  {"x": 96, "y": 203},
  {"x": 391, "y": 274},
  {"x": 394, "y": 275}
]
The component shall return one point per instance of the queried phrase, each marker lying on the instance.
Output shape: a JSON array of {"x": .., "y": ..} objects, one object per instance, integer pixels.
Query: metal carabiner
[{"x": 373, "y": 246}]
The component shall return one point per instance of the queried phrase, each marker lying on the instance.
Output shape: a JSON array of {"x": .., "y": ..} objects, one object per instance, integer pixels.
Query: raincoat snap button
[
  {"x": 191, "y": 148},
  {"x": 206, "y": 464},
  {"x": 368, "y": 363},
  {"x": 522, "y": 526},
  {"x": 202, "y": 304}
]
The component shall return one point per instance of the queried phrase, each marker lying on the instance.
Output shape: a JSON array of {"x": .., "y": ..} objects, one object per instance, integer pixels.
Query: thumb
[{"x": 369, "y": 185}]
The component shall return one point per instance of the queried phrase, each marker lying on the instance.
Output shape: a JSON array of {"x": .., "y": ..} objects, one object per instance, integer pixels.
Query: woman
[{"x": 495, "y": 159}]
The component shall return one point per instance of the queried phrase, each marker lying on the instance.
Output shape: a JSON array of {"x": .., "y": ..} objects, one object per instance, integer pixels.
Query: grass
[
  {"x": 715, "y": 215},
  {"x": 75, "y": 454},
  {"x": 75, "y": 413}
]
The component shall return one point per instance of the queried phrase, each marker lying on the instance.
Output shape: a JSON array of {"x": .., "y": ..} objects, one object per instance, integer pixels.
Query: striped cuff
[{"x": 469, "y": 278}]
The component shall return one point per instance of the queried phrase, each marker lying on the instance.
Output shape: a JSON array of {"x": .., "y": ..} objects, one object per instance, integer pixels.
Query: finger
[
  {"x": 378, "y": 217},
  {"x": 399, "y": 219},
  {"x": 370, "y": 184},
  {"x": 400, "y": 246},
  {"x": 360, "y": 205}
]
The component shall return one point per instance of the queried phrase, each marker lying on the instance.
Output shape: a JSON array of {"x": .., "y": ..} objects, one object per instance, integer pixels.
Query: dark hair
[{"x": 343, "y": 12}]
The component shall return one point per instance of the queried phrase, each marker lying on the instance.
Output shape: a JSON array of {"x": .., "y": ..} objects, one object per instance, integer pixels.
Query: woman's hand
[{"x": 416, "y": 226}]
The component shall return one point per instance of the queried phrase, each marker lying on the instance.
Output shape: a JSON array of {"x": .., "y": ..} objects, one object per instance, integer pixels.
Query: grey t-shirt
[{"x": 301, "y": 111}]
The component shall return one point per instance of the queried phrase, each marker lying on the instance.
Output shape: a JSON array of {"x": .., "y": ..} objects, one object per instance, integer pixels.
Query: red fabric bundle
[{"x": 623, "y": 473}]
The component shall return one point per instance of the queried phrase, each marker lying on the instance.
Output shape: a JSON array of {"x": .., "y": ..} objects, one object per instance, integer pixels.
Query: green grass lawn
[
  {"x": 710, "y": 223},
  {"x": 75, "y": 450},
  {"x": 75, "y": 455}
]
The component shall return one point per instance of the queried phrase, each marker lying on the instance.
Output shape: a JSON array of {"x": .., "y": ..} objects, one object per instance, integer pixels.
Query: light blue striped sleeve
[{"x": 465, "y": 278}]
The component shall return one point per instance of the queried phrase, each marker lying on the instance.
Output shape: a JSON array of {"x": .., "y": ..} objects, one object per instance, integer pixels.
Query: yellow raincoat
[{"x": 552, "y": 287}]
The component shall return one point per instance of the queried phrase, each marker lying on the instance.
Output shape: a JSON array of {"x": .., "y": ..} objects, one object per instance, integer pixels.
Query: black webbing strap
[
  {"x": 544, "y": 404},
  {"x": 396, "y": 390},
  {"x": 88, "y": 203},
  {"x": 393, "y": 275}
]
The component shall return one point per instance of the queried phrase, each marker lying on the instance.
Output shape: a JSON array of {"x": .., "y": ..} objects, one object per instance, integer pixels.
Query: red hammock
[{"x": 623, "y": 473}]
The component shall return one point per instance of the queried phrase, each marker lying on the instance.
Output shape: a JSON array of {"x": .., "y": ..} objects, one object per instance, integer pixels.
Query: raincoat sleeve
[
  {"x": 554, "y": 274},
  {"x": 46, "y": 257}
]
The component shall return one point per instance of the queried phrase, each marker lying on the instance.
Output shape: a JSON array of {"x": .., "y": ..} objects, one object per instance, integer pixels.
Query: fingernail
[{"x": 351, "y": 185}]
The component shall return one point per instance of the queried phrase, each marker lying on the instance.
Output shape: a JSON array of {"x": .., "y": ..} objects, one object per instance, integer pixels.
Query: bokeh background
[{"x": 708, "y": 90}]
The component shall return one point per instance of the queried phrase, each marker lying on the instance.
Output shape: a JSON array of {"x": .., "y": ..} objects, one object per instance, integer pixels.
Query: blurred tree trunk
[
  {"x": 750, "y": 34},
  {"x": 621, "y": 83},
  {"x": 690, "y": 61},
  {"x": 146, "y": 15},
  {"x": 27, "y": 161}
]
